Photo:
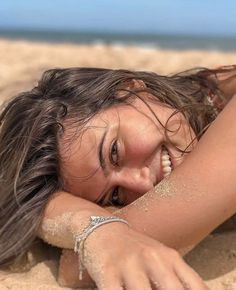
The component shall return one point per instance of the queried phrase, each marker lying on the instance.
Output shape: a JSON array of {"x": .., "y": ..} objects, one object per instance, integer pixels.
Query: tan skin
[
  {"x": 205, "y": 194},
  {"x": 131, "y": 151}
]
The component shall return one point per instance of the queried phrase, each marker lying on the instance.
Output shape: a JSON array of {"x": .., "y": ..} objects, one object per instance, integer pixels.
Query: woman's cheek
[{"x": 140, "y": 148}]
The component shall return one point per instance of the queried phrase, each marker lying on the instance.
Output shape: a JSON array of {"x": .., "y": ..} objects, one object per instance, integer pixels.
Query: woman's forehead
[
  {"x": 78, "y": 147},
  {"x": 83, "y": 141},
  {"x": 80, "y": 164},
  {"x": 75, "y": 135}
]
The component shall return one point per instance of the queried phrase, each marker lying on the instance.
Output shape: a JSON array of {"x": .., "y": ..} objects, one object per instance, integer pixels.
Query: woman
[{"x": 89, "y": 137}]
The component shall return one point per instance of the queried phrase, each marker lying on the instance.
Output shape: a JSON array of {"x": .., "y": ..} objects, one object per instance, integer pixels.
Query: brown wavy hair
[{"x": 32, "y": 123}]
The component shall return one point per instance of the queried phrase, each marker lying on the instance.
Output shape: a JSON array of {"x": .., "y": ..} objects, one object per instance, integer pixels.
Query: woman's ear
[
  {"x": 130, "y": 85},
  {"x": 134, "y": 84}
]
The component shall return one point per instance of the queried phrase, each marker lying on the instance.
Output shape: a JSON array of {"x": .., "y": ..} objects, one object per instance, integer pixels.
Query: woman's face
[{"x": 123, "y": 152}]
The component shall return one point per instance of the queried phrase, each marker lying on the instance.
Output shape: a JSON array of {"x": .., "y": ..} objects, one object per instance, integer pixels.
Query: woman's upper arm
[{"x": 199, "y": 195}]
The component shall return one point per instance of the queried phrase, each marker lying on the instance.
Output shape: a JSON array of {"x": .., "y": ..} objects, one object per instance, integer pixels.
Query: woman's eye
[
  {"x": 115, "y": 198},
  {"x": 114, "y": 156}
]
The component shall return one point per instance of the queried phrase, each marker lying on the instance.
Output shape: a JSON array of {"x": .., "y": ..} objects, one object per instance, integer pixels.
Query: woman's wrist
[
  {"x": 95, "y": 223},
  {"x": 64, "y": 215}
]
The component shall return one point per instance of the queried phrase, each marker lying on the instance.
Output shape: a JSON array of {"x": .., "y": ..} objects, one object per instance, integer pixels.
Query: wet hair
[{"x": 32, "y": 123}]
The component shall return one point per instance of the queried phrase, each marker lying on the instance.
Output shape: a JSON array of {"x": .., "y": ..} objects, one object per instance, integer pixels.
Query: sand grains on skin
[{"x": 22, "y": 63}]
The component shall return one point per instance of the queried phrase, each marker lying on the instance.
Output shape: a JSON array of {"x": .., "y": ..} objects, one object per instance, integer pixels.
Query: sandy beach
[{"x": 21, "y": 65}]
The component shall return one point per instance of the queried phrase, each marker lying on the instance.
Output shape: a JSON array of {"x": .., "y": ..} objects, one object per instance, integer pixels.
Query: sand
[{"x": 22, "y": 63}]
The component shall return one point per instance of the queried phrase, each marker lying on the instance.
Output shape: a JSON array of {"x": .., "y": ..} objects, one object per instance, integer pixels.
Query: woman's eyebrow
[{"x": 101, "y": 158}]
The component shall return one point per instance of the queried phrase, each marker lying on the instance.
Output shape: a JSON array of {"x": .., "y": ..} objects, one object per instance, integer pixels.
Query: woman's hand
[{"x": 117, "y": 257}]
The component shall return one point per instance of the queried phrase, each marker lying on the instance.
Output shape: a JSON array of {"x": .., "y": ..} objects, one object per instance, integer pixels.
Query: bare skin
[
  {"x": 136, "y": 252},
  {"x": 210, "y": 194}
]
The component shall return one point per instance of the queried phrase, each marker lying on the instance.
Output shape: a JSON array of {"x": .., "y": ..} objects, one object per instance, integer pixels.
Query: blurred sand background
[{"x": 22, "y": 63}]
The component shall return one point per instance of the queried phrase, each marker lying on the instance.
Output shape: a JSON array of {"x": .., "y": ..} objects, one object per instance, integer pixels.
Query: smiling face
[{"x": 123, "y": 152}]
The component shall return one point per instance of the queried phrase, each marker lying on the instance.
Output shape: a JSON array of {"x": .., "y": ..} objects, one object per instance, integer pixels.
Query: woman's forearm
[
  {"x": 66, "y": 215},
  {"x": 198, "y": 196}
]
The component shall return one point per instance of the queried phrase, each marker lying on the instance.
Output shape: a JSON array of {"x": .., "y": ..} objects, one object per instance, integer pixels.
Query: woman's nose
[{"x": 136, "y": 180}]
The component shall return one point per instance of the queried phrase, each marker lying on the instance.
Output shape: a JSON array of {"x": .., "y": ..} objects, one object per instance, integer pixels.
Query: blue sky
[{"x": 202, "y": 17}]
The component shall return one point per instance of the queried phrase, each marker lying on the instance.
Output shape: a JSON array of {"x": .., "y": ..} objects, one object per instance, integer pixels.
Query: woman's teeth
[{"x": 166, "y": 162}]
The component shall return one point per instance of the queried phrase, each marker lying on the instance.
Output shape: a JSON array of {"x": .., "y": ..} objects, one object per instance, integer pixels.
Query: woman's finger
[
  {"x": 109, "y": 279},
  {"x": 172, "y": 273},
  {"x": 161, "y": 271},
  {"x": 190, "y": 279},
  {"x": 165, "y": 280},
  {"x": 111, "y": 285},
  {"x": 137, "y": 280},
  {"x": 151, "y": 274}
]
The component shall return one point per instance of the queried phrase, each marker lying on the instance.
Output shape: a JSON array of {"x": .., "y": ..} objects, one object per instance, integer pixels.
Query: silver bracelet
[{"x": 95, "y": 222}]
